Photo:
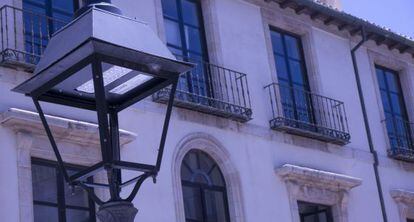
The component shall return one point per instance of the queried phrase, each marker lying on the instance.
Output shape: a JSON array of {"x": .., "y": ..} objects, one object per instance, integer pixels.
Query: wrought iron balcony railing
[
  {"x": 300, "y": 112},
  {"x": 24, "y": 36},
  {"x": 400, "y": 135},
  {"x": 213, "y": 90}
]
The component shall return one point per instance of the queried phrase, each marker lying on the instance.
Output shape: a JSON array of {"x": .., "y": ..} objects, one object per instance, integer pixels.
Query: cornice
[
  {"x": 63, "y": 129},
  {"x": 317, "y": 178},
  {"x": 403, "y": 196}
]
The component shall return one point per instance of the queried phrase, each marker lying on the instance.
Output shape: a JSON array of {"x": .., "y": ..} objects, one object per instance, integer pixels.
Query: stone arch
[{"x": 211, "y": 146}]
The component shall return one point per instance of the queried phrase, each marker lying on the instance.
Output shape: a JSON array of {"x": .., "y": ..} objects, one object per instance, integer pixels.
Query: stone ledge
[
  {"x": 63, "y": 129},
  {"x": 402, "y": 196},
  {"x": 318, "y": 178}
]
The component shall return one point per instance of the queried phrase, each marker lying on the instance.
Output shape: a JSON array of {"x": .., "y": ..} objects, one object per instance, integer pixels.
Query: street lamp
[{"x": 105, "y": 62}]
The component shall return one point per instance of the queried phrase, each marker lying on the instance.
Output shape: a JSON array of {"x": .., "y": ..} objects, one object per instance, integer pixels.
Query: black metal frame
[
  {"x": 328, "y": 122},
  {"x": 108, "y": 129},
  {"x": 230, "y": 89},
  {"x": 327, "y": 211},
  {"x": 61, "y": 205},
  {"x": 13, "y": 52},
  {"x": 402, "y": 132},
  {"x": 202, "y": 187},
  {"x": 49, "y": 10},
  {"x": 305, "y": 85}
]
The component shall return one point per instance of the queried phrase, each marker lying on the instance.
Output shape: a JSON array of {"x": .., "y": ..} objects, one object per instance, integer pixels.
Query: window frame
[
  {"x": 395, "y": 134},
  {"x": 328, "y": 211},
  {"x": 184, "y": 49},
  {"x": 403, "y": 105},
  {"x": 301, "y": 54},
  {"x": 305, "y": 75},
  {"x": 203, "y": 188},
  {"x": 181, "y": 23},
  {"x": 60, "y": 204}
]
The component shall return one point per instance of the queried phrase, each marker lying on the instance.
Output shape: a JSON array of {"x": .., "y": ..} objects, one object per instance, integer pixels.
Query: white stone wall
[{"x": 248, "y": 153}]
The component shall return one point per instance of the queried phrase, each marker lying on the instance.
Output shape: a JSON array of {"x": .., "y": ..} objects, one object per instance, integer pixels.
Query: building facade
[{"x": 295, "y": 112}]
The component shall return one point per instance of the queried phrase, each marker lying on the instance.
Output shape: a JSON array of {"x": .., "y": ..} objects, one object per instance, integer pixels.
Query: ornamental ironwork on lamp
[{"x": 105, "y": 62}]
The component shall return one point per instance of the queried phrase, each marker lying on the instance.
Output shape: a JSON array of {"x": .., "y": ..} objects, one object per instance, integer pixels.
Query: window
[
  {"x": 186, "y": 39},
  {"x": 204, "y": 189},
  {"x": 396, "y": 117},
  {"x": 314, "y": 213},
  {"x": 54, "y": 200},
  {"x": 42, "y": 18},
  {"x": 291, "y": 73}
]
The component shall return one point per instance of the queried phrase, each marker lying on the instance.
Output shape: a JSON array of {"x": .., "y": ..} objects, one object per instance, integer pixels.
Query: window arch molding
[{"x": 212, "y": 147}]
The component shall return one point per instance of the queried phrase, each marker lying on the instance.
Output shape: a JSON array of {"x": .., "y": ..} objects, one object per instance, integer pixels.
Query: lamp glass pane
[
  {"x": 117, "y": 80},
  {"x": 110, "y": 75},
  {"x": 130, "y": 84}
]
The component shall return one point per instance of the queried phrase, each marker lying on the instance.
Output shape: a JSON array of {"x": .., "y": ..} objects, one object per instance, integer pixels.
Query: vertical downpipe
[{"x": 366, "y": 123}]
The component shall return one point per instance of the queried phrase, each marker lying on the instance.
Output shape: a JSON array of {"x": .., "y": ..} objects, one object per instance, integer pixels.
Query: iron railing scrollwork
[
  {"x": 25, "y": 35},
  {"x": 400, "y": 136},
  {"x": 301, "y": 112},
  {"x": 214, "y": 90}
]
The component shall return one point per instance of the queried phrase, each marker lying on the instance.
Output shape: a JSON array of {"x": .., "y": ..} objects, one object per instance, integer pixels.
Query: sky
[{"x": 398, "y": 15}]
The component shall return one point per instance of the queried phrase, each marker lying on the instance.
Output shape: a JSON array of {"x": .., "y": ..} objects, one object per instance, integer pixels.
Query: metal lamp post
[{"x": 105, "y": 62}]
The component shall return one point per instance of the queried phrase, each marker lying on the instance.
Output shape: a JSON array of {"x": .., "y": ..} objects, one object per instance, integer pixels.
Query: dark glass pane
[
  {"x": 186, "y": 173},
  {"x": 61, "y": 19},
  {"x": 385, "y": 101},
  {"x": 191, "y": 160},
  {"x": 277, "y": 42},
  {"x": 281, "y": 69},
  {"x": 190, "y": 13},
  {"x": 44, "y": 183},
  {"x": 381, "y": 80},
  {"x": 392, "y": 81},
  {"x": 169, "y": 8},
  {"x": 206, "y": 163},
  {"x": 199, "y": 78},
  {"x": 292, "y": 47},
  {"x": 302, "y": 106},
  {"x": 192, "y": 203},
  {"x": 45, "y": 213},
  {"x": 41, "y": 2},
  {"x": 390, "y": 122},
  {"x": 177, "y": 52},
  {"x": 314, "y": 213},
  {"x": 172, "y": 31},
  {"x": 201, "y": 204},
  {"x": 215, "y": 206},
  {"x": 193, "y": 39},
  {"x": 396, "y": 104},
  {"x": 77, "y": 215},
  {"x": 286, "y": 95},
  {"x": 63, "y": 5},
  {"x": 296, "y": 71},
  {"x": 201, "y": 178},
  {"x": 38, "y": 8},
  {"x": 216, "y": 177},
  {"x": 76, "y": 197}
]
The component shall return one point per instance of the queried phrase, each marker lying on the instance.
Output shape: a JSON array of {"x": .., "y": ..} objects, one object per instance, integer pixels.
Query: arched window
[{"x": 204, "y": 189}]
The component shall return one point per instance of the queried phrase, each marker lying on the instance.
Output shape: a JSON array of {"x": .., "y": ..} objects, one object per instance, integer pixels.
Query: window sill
[
  {"x": 18, "y": 59},
  {"x": 205, "y": 105},
  {"x": 402, "y": 153},
  {"x": 310, "y": 130}
]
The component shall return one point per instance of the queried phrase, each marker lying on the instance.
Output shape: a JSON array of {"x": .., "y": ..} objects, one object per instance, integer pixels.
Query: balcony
[
  {"x": 24, "y": 36},
  {"x": 213, "y": 90},
  {"x": 303, "y": 113},
  {"x": 400, "y": 135}
]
